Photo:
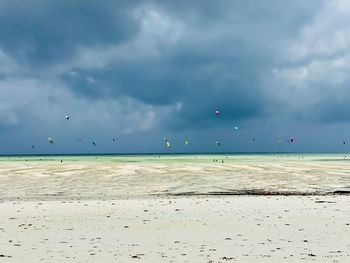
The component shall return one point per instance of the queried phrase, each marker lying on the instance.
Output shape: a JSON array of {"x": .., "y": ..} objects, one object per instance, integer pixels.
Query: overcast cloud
[{"x": 144, "y": 70}]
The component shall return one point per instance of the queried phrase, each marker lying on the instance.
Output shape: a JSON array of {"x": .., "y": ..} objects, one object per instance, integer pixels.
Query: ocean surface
[{"x": 132, "y": 176}]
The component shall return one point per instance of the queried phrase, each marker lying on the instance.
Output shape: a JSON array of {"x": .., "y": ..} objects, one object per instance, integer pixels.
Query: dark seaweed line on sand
[{"x": 261, "y": 193}]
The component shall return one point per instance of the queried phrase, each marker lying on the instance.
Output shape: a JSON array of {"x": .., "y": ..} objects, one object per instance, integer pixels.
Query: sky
[{"x": 145, "y": 70}]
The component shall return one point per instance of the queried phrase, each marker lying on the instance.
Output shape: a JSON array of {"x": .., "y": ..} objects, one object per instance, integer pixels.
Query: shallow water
[{"x": 102, "y": 177}]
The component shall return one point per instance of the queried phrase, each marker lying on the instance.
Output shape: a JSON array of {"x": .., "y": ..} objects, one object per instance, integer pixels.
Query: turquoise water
[{"x": 184, "y": 157}]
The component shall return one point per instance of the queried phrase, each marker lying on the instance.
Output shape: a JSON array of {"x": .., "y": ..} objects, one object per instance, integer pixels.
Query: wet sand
[
  {"x": 83, "y": 178},
  {"x": 186, "y": 229}
]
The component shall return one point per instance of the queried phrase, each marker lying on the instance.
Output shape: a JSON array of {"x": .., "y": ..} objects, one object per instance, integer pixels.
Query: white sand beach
[
  {"x": 192, "y": 229},
  {"x": 175, "y": 209}
]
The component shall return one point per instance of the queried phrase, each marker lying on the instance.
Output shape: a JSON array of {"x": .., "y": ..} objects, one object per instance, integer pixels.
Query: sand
[
  {"x": 186, "y": 229},
  {"x": 175, "y": 209},
  {"x": 83, "y": 178}
]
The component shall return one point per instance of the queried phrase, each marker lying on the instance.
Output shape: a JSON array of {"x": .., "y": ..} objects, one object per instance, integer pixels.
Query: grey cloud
[
  {"x": 315, "y": 75},
  {"x": 42, "y": 32},
  {"x": 166, "y": 65},
  {"x": 201, "y": 71}
]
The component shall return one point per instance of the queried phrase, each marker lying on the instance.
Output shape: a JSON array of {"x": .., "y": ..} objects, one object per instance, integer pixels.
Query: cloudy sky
[{"x": 144, "y": 70}]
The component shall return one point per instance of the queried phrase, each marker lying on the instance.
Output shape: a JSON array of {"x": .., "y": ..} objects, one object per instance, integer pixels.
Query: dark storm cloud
[
  {"x": 43, "y": 32},
  {"x": 227, "y": 50},
  {"x": 332, "y": 107},
  {"x": 171, "y": 64},
  {"x": 198, "y": 89}
]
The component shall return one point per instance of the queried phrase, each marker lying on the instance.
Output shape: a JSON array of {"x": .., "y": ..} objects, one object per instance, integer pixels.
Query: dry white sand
[{"x": 186, "y": 229}]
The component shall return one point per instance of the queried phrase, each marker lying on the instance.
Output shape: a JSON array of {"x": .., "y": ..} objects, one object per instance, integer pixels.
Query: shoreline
[{"x": 179, "y": 195}]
